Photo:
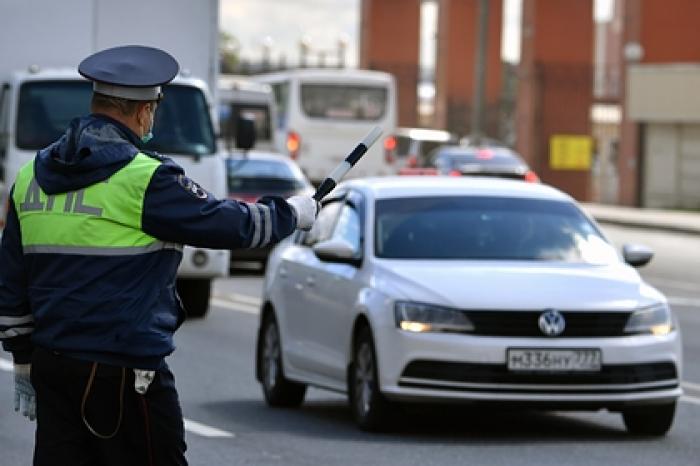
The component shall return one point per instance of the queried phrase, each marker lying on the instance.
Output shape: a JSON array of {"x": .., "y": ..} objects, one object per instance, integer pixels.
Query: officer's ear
[{"x": 143, "y": 113}]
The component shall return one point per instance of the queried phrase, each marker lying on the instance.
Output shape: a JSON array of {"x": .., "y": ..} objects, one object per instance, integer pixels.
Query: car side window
[
  {"x": 324, "y": 224},
  {"x": 348, "y": 227}
]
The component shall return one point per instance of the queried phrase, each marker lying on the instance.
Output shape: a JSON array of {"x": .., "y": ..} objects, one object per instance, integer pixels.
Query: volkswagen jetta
[{"x": 466, "y": 290}]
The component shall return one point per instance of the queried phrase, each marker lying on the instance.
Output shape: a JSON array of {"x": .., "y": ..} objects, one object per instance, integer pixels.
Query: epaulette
[{"x": 154, "y": 155}]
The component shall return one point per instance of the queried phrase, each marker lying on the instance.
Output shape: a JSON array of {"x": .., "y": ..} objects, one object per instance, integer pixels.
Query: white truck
[
  {"x": 241, "y": 96},
  {"x": 41, "y": 91}
]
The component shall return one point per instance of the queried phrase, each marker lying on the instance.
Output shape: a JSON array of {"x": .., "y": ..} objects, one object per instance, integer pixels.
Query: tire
[
  {"x": 370, "y": 409},
  {"x": 653, "y": 420},
  {"x": 278, "y": 390},
  {"x": 194, "y": 293}
]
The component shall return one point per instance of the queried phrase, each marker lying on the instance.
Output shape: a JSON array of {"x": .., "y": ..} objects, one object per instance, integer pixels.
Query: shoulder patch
[{"x": 191, "y": 187}]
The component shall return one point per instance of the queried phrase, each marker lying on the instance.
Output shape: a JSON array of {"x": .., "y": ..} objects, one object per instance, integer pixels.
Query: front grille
[
  {"x": 610, "y": 374},
  {"x": 525, "y": 323}
]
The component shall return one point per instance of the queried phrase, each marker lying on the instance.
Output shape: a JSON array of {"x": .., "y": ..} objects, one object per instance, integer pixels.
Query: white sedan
[{"x": 465, "y": 289}]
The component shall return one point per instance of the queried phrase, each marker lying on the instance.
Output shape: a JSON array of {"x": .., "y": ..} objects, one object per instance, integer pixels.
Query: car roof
[
  {"x": 472, "y": 150},
  {"x": 261, "y": 155},
  {"x": 430, "y": 186}
]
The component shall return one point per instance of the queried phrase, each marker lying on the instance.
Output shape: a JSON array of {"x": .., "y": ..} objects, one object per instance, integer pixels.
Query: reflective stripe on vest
[{"x": 100, "y": 219}]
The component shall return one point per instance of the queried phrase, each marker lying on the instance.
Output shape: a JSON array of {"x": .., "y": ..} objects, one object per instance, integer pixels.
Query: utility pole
[{"x": 480, "y": 72}]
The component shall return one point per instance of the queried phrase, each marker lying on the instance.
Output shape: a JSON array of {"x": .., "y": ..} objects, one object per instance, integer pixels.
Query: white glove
[
  {"x": 305, "y": 209},
  {"x": 25, "y": 397}
]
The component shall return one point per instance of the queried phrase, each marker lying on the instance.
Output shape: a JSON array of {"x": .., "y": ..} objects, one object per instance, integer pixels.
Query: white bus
[{"x": 323, "y": 113}]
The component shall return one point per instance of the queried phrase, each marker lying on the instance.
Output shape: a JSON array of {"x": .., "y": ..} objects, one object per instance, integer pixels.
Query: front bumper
[{"x": 452, "y": 367}]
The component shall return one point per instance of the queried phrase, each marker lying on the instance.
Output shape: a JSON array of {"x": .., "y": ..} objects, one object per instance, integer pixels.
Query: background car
[
  {"x": 501, "y": 162},
  {"x": 408, "y": 149},
  {"x": 254, "y": 174},
  {"x": 467, "y": 290}
]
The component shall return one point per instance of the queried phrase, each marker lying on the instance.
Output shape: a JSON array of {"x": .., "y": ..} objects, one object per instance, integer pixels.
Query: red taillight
[
  {"x": 389, "y": 148},
  {"x": 531, "y": 177},
  {"x": 455, "y": 173},
  {"x": 293, "y": 144}
]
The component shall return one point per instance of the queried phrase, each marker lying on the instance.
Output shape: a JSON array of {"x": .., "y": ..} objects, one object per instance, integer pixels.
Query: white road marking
[
  {"x": 691, "y": 385},
  {"x": 6, "y": 365},
  {"x": 678, "y": 285},
  {"x": 243, "y": 298},
  {"x": 194, "y": 427},
  {"x": 690, "y": 302},
  {"x": 691, "y": 399},
  {"x": 235, "y": 306},
  {"x": 205, "y": 430}
]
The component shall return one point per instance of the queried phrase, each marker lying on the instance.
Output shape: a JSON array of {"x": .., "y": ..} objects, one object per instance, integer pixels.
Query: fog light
[{"x": 200, "y": 258}]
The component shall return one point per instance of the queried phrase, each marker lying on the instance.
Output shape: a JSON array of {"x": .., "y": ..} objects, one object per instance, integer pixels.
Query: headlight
[
  {"x": 655, "y": 320},
  {"x": 417, "y": 317}
]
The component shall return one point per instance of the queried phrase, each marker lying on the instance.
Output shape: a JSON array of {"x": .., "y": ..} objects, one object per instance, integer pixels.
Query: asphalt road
[{"x": 228, "y": 423}]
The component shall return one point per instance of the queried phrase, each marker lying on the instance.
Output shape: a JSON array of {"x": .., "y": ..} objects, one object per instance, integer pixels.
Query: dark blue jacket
[{"x": 120, "y": 310}]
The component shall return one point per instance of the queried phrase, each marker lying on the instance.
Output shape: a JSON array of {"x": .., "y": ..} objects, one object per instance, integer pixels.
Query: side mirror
[
  {"x": 245, "y": 134},
  {"x": 637, "y": 255},
  {"x": 335, "y": 250}
]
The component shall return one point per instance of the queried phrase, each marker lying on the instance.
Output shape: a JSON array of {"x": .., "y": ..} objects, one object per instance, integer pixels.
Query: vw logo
[{"x": 552, "y": 323}]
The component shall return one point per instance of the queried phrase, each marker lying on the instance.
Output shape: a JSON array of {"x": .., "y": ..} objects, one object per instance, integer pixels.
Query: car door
[
  {"x": 298, "y": 272},
  {"x": 331, "y": 312}
]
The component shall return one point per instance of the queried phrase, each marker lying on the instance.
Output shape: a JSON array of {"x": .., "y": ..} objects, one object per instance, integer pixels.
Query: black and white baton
[{"x": 343, "y": 167}]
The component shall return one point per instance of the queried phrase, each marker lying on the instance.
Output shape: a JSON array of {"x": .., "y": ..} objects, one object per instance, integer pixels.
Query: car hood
[{"x": 515, "y": 285}]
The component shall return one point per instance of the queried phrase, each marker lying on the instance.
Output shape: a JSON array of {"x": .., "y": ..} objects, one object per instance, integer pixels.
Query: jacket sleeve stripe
[
  {"x": 255, "y": 213},
  {"x": 268, "y": 225}
]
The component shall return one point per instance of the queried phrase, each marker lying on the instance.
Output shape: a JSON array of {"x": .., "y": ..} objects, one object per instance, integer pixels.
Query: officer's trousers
[{"x": 150, "y": 433}]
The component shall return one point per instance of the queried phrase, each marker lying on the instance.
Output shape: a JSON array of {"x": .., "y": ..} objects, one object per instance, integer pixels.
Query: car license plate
[{"x": 553, "y": 360}]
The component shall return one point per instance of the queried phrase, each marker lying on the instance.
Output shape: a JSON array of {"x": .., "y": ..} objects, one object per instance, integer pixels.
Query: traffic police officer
[{"x": 89, "y": 255}]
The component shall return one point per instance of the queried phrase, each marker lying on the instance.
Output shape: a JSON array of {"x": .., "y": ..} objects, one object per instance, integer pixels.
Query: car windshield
[
  {"x": 487, "y": 228},
  {"x": 182, "y": 124},
  {"x": 263, "y": 176},
  {"x": 46, "y": 108},
  {"x": 343, "y": 102}
]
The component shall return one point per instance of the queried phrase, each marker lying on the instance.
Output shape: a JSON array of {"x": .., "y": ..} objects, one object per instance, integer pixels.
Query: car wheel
[
  {"x": 194, "y": 294},
  {"x": 369, "y": 407},
  {"x": 277, "y": 389},
  {"x": 649, "y": 420}
]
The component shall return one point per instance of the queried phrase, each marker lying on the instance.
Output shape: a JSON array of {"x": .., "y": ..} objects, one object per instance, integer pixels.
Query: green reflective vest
[{"x": 101, "y": 219}]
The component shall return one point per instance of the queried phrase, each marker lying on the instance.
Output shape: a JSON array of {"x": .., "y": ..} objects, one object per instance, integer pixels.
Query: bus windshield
[{"x": 46, "y": 108}]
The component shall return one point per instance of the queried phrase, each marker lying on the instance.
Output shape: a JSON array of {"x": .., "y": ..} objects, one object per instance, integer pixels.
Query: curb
[
  {"x": 647, "y": 225},
  {"x": 676, "y": 222}
]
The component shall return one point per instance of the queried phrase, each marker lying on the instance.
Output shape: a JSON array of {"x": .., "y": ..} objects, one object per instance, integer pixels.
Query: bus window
[{"x": 342, "y": 102}]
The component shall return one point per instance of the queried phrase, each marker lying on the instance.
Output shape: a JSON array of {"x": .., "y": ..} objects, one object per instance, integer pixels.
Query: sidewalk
[{"x": 658, "y": 219}]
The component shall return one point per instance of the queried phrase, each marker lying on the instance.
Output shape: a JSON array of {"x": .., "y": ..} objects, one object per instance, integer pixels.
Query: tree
[{"x": 228, "y": 52}]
